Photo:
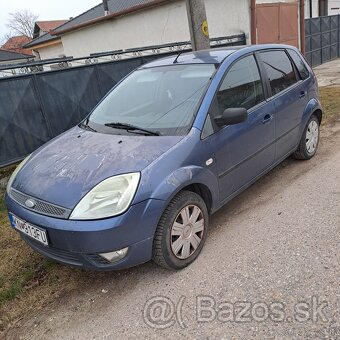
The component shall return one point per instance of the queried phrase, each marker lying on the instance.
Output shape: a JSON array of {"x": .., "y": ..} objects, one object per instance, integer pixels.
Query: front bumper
[{"x": 78, "y": 243}]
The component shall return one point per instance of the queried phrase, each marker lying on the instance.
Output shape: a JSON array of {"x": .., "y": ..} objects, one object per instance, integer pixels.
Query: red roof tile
[
  {"x": 47, "y": 26},
  {"x": 16, "y": 44}
]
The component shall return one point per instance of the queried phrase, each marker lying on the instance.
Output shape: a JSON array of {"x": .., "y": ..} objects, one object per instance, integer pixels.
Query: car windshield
[{"x": 162, "y": 100}]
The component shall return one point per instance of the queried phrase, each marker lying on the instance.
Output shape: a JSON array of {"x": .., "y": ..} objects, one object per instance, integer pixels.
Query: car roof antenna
[{"x": 178, "y": 55}]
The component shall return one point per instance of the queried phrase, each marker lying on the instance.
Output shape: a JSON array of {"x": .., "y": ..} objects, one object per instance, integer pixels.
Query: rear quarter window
[
  {"x": 280, "y": 71},
  {"x": 299, "y": 63}
]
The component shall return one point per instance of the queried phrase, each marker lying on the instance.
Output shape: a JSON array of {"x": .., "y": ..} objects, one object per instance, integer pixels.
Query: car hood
[{"x": 67, "y": 168}]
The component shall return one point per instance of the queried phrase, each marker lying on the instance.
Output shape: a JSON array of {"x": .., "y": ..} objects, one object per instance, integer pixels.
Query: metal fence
[
  {"x": 38, "y": 101},
  {"x": 322, "y": 39}
]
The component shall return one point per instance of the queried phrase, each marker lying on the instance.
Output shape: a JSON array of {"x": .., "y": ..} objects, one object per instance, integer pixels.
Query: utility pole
[
  {"x": 198, "y": 25},
  {"x": 106, "y": 7}
]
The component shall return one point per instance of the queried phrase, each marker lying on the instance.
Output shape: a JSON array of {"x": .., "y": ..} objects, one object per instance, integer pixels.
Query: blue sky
[{"x": 47, "y": 10}]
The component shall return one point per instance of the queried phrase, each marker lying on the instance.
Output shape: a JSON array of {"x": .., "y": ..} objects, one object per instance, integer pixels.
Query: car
[{"x": 168, "y": 146}]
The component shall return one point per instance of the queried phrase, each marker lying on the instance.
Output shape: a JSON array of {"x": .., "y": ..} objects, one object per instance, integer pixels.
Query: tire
[
  {"x": 175, "y": 229},
  {"x": 309, "y": 141}
]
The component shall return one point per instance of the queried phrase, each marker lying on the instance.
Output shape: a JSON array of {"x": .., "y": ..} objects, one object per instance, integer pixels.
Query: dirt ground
[
  {"x": 272, "y": 258},
  {"x": 269, "y": 267}
]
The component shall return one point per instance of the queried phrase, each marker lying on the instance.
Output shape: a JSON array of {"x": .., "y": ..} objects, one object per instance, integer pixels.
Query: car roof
[{"x": 211, "y": 56}]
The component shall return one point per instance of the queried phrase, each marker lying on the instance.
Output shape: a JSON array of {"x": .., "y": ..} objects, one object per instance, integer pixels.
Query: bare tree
[
  {"x": 22, "y": 23},
  {"x": 4, "y": 38}
]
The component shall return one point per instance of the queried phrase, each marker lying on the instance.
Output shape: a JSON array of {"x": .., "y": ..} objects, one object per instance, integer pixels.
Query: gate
[
  {"x": 277, "y": 23},
  {"x": 322, "y": 39}
]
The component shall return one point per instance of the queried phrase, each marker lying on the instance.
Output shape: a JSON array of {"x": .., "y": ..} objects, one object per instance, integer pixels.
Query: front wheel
[
  {"x": 181, "y": 231},
  {"x": 310, "y": 140}
]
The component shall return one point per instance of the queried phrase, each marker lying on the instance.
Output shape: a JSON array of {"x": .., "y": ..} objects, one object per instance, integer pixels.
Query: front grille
[
  {"x": 40, "y": 207},
  {"x": 56, "y": 254}
]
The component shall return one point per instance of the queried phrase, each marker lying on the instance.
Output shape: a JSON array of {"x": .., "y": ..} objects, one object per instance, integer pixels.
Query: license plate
[{"x": 28, "y": 229}]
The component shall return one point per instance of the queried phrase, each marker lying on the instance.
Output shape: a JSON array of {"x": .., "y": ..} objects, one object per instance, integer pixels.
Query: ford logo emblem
[{"x": 30, "y": 203}]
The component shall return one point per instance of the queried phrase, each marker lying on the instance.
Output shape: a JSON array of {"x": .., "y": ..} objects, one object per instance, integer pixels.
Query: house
[
  {"x": 140, "y": 23},
  {"x": 42, "y": 27},
  {"x": 10, "y": 57},
  {"x": 44, "y": 45},
  {"x": 16, "y": 43},
  {"x": 316, "y": 8}
]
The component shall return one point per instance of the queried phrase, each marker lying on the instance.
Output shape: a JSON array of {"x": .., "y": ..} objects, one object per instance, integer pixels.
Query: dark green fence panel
[{"x": 40, "y": 105}]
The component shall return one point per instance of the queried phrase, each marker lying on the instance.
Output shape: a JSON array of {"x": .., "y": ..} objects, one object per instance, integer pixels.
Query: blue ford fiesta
[{"x": 169, "y": 145}]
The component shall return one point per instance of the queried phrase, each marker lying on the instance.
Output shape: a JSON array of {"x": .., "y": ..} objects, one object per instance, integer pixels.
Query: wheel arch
[
  {"x": 201, "y": 190},
  {"x": 318, "y": 113},
  {"x": 313, "y": 107},
  {"x": 200, "y": 180}
]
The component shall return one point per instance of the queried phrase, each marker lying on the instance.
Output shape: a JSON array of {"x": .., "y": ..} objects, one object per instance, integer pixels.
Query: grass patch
[
  {"x": 2, "y": 203},
  {"x": 330, "y": 100}
]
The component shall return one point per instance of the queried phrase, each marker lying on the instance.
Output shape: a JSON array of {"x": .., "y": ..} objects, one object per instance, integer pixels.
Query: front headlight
[
  {"x": 15, "y": 172},
  {"x": 111, "y": 197}
]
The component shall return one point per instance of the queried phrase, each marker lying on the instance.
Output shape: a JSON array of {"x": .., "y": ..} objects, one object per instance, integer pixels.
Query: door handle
[
  {"x": 267, "y": 118},
  {"x": 302, "y": 94}
]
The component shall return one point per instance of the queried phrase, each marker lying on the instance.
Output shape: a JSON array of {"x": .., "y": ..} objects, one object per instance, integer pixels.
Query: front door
[{"x": 242, "y": 151}]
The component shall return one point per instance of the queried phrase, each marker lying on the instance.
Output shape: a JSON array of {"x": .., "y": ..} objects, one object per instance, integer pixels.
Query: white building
[
  {"x": 147, "y": 23},
  {"x": 316, "y": 8},
  {"x": 140, "y": 23},
  {"x": 44, "y": 45}
]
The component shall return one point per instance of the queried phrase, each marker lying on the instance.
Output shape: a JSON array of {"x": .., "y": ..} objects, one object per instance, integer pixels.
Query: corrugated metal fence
[
  {"x": 39, "y": 106},
  {"x": 322, "y": 39}
]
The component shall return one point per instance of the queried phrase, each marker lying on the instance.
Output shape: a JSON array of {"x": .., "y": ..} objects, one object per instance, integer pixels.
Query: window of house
[{"x": 279, "y": 69}]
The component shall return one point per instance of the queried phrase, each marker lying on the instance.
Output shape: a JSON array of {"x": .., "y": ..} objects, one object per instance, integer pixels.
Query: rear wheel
[
  {"x": 181, "y": 231},
  {"x": 310, "y": 140}
]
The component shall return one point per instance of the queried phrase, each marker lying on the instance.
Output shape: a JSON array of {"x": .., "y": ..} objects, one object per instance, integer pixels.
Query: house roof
[
  {"x": 16, "y": 44},
  {"x": 97, "y": 13},
  {"x": 94, "y": 15},
  {"x": 42, "y": 39},
  {"x": 10, "y": 55},
  {"x": 47, "y": 26}
]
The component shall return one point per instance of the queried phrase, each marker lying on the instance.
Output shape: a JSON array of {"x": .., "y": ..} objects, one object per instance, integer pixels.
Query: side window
[
  {"x": 300, "y": 65},
  {"x": 279, "y": 69},
  {"x": 242, "y": 86}
]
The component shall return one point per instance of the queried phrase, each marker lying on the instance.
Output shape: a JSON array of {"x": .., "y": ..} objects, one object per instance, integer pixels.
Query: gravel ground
[{"x": 269, "y": 270}]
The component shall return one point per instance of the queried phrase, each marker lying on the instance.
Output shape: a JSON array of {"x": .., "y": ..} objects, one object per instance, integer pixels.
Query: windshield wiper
[
  {"x": 129, "y": 127},
  {"x": 86, "y": 126}
]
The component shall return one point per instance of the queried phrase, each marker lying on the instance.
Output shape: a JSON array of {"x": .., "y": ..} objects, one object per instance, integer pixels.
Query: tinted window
[
  {"x": 299, "y": 64},
  {"x": 242, "y": 86},
  {"x": 279, "y": 69}
]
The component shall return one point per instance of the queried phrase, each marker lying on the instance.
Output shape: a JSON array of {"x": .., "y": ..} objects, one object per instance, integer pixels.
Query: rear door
[
  {"x": 245, "y": 150},
  {"x": 289, "y": 96}
]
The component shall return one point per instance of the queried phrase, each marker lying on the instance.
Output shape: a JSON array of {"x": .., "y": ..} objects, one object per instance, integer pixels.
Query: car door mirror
[{"x": 232, "y": 116}]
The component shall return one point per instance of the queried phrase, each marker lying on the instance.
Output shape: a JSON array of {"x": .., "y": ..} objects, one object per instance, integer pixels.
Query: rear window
[
  {"x": 279, "y": 69},
  {"x": 300, "y": 65}
]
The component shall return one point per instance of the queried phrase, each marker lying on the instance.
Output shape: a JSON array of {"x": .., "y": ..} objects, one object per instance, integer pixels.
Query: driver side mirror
[{"x": 232, "y": 116}]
